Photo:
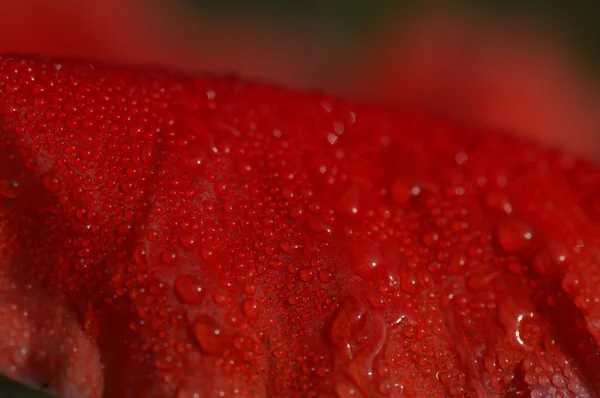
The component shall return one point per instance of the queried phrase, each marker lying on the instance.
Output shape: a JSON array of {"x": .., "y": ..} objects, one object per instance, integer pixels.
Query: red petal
[{"x": 295, "y": 198}]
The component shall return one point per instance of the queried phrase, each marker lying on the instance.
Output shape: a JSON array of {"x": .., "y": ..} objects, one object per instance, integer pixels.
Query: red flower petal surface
[{"x": 171, "y": 236}]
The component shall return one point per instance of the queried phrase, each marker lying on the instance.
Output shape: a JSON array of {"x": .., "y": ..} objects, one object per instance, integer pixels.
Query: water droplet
[
  {"x": 140, "y": 255},
  {"x": 306, "y": 274},
  {"x": 385, "y": 387},
  {"x": 430, "y": 239},
  {"x": 188, "y": 393},
  {"x": 168, "y": 257},
  {"x": 530, "y": 378},
  {"x": 367, "y": 262},
  {"x": 10, "y": 189},
  {"x": 359, "y": 336},
  {"x": 513, "y": 318},
  {"x": 51, "y": 182},
  {"x": 497, "y": 200},
  {"x": 571, "y": 283},
  {"x": 514, "y": 236},
  {"x": 478, "y": 282},
  {"x": 401, "y": 192},
  {"x": 191, "y": 163},
  {"x": 376, "y": 301},
  {"x": 147, "y": 154},
  {"x": 325, "y": 275},
  {"x": 188, "y": 241},
  {"x": 550, "y": 260},
  {"x": 317, "y": 224},
  {"x": 250, "y": 308},
  {"x": 123, "y": 228},
  {"x": 344, "y": 389},
  {"x": 461, "y": 158},
  {"x": 209, "y": 335},
  {"x": 344, "y": 326},
  {"x": 189, "y": 289},
  {"x": 516, "y": 267},
  {"x": 12, "y": 88},
  {"x": 559, "y": 381},
  {"x": 409, "y": 283},
  {"x": 38, "y": 89},
  {"x": 348, "y": 203},
  {"x": 244, "y": 167}
]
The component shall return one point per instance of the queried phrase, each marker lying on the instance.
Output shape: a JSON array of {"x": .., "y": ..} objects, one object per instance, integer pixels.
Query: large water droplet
[
  {"x": 51, "y": 182},
  {"x": 250, "y": 308},
  {"x": 401, "y": 192},
  {"x": 184, "y": 392},
  {"x": 512, "y": 318},
  {"x": 192, "y": 163},
  {"x": 168, "y": 257},
  {"x": 359, "y": 336},
  {"x": 551, "y": 259},
  {"x": 344, "y": 389},
  {"x": 478, "y": 282},
  {"x": 571, "y": 283},
  {"x": 514, "y": 236},
  {"x": 349, "y": 202},
  {"x": 306, "y": 274},
  {"x": 209, "y": 335},
  {"x": 140, "y": 255},
  {"x": 188, "y": 241},
  {"x": 497, "y": 200},
  {"x": 189, "y": 289},
  {"x": 346, "y": 323},
  {"x": 367, "y": 262}
]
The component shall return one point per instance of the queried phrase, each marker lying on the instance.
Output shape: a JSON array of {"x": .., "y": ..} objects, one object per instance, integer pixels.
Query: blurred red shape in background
[
  {"x": 509, "y": 73},
  {"x": 505, "y": 72}
]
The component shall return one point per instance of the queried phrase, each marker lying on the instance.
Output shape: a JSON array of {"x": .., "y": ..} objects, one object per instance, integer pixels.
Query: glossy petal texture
[{"x": 171, "y": 236}]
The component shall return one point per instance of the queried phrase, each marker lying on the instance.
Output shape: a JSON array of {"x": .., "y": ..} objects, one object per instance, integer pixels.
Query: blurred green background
[{"x": 577, "y": 22}]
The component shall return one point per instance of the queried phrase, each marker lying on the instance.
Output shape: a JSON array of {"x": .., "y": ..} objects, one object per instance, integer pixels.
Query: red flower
[{"x": 163, "y": 235}]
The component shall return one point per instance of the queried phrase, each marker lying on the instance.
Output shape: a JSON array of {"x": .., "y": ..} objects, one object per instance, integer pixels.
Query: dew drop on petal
[
  {"x": 209, "y": 335},
  {"x": 367, "y": 262},
  {"x": 250, "y": 308},
  {"x": 51, "y": 182},
  {"x": 189, "y": 290},
  {"x": 10, "y": 189},
  {"x": 514, "y": 236}
]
